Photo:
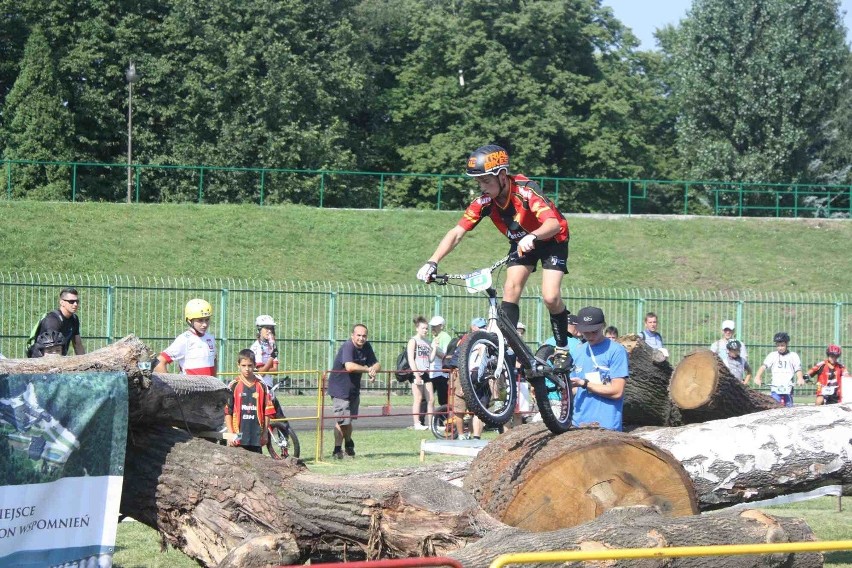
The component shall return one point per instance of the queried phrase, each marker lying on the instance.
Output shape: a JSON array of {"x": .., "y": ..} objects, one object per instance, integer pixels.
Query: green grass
[{"x": 291, "y": 242}]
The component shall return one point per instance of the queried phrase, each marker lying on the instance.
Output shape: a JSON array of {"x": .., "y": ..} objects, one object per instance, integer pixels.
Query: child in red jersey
[{"x": 249, "y": 406}]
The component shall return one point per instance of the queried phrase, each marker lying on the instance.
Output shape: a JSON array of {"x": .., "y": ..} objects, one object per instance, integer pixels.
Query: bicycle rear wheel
[
  {"x": 438, "y": 424},
  {"x": 283, "y": 441},
  {"x": 553, "y": 396},
  {"x": 490, "y": 393}
]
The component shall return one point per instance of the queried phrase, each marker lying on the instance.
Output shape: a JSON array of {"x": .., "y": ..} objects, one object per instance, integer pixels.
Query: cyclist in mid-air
[{"x": 536, "y": 229}]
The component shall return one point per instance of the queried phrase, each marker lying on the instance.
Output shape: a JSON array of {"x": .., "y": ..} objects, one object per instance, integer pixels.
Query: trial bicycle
[
  {"x": 281, "y": 440},
  {"x": 490, "y": 390}
]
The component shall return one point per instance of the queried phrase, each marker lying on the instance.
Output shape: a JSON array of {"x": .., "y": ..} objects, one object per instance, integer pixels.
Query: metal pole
[
  {"x": 129, "y": 139},
  {"x": 131, "y": 77}
]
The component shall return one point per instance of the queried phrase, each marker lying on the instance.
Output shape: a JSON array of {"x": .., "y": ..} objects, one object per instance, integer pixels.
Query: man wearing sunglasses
[{"x": 65, "y": 321}]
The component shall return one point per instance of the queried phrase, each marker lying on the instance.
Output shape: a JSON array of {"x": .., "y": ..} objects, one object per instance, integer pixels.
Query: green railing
[
  {"x": 314, "y": 317},
  {"x": 85, "y": 181}
]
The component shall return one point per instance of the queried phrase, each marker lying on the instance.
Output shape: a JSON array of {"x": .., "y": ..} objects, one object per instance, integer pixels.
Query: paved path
[{"x": 371, "y": 417}]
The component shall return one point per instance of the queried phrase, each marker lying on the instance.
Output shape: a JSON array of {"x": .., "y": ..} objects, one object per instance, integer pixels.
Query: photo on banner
[{"x": 62, "y": 446}]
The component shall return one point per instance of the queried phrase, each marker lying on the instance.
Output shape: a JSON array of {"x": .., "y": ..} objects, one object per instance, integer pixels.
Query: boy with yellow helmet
[{"x": 194, "y": 350}]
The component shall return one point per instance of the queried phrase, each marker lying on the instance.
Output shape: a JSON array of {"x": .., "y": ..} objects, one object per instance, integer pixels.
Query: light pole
[{"x": 131, "y": 76}]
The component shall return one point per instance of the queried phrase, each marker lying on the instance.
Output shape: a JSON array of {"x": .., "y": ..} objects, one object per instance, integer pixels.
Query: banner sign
[{"x": 62, "y": 443}]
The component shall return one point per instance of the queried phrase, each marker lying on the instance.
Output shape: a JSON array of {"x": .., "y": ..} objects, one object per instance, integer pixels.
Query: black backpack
[{"x": 403, "y": 369}]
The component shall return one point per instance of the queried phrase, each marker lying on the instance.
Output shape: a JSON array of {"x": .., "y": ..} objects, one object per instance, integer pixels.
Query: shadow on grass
[{"x": 839, "y": 557}]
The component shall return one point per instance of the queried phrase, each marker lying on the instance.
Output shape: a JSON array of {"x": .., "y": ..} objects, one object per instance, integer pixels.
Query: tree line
[{"x": 740, "y": 90}]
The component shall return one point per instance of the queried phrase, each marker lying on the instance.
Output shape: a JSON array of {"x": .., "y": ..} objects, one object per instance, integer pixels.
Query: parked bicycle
[
  {"x": 282, "y": 441},
  {"x": 484, "y": 369},
  {"x": 441, "y": 430}
]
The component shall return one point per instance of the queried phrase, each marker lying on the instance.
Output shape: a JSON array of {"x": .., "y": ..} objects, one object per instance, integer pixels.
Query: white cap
[
  {"x": 437, "y": 320},
  {"x": 520, "y": 326},
  {"x": 728, "y": 324}
]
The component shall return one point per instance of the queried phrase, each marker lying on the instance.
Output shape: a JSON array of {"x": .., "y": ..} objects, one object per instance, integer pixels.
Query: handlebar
[{"x": 442, "y": 279}]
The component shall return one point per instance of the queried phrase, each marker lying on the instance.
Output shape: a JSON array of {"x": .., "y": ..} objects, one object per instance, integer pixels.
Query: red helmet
[{"x": 833, "y": 350}]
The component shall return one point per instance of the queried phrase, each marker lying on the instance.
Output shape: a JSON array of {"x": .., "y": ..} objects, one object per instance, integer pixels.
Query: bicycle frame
[{"x": 500, "y": 325}]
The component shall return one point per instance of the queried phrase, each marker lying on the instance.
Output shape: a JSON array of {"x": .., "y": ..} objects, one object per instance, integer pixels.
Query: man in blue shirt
[{"x": 599, "y": 374}]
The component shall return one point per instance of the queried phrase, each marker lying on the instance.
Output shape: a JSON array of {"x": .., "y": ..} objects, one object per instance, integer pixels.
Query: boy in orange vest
[{"x": 249, "y": 406}]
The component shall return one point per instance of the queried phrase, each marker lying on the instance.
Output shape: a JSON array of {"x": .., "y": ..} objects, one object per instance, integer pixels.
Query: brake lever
[{"x": 440, "y": 279}]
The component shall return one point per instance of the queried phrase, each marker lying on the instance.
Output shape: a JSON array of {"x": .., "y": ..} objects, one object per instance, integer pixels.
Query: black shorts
[{"x": 553, "y": 256}]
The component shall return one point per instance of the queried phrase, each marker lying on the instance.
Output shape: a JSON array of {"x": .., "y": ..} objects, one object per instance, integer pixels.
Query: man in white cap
[
  {"x": 440, "y": 341},
  {"x": 599, "y": 375},
  {"x": 720, "y": 346}
]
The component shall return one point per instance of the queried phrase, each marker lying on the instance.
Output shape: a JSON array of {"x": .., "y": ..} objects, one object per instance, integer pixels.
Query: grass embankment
[{"x": 300, "y": 243}]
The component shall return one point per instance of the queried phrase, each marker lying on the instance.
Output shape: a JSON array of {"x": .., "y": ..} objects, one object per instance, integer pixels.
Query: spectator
[
  {"x": 735, "y": 362},
  {"x": 249, "y": 406},
  {"x": 194, "y": 350},
  {"x": 611, "y": 332},
  {"x": 265, "y": 348},
  {"x": 720, "y": 346},
  {"x": 64, "y": 320},
  {"x": 440, "y": 341},
  {"x": 459, "y": 403},
  {"x": 419, "y": 352},
  {"x": 829, "y": 375},
  {"x": 599, "y": 374},
  {"x": 354, "y": 358},
  {"x": 784, "y": 366},
  {"x": 653, "y": 339},
  {"x": 525, "y": 402},
  {"x": 47, "y": 343},
  {"x": 536, "y": 229}
]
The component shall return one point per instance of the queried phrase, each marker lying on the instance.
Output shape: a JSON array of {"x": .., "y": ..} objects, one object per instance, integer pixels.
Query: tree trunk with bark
[
  {"x": 646, "y": 393},
  {"x": 531, "y": 479},
  {"x": 208, "y": 499},
  {"x": 703, "y": 389},
  {"x": 228, "y": 507},
  {"x": 764, "y": 454},
  {"x": 646, "y": 527},
  {"x": 191, "y": 402}
]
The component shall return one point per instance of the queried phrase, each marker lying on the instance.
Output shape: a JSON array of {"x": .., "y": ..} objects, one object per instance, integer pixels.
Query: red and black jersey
[{"x": 524, "y": 211}]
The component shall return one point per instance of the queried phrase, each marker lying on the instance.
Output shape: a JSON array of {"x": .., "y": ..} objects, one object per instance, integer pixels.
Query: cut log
[
  {"x": 208, "y": 499},
  {"x": 704, "y": 389},
  {"x": 124, "y": 355},
  {"x": 646, "y": 393},
  {"x": 640, "y": 527},
  {"x": 764, "y": 454},
  {"x": 228, "y": 507},
  {"x": 192, "y": 402},
  {"x": 531, "y": 479}
]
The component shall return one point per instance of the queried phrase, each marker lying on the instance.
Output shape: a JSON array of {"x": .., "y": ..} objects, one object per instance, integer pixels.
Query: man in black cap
[{"x": 599, "y": 374}]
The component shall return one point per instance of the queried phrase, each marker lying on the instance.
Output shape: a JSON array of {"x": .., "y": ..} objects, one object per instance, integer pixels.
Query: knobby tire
[
  {"x": 556, "y": 414},
  {"x": 477, "y": 362}
]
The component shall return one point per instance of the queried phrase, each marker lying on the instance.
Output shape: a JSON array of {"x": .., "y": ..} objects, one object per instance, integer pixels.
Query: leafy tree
[
  {"x": 556, "y": 82},
  {"x": 38, "y": 124},
  {"x": 752, "y": 81}
]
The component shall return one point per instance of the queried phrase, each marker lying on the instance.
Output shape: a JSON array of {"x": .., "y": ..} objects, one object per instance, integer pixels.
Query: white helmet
[{"x": 264, "y": 321}]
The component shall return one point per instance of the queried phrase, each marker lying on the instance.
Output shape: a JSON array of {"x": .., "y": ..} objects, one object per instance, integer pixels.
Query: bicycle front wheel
[
  {"x": 283, "y": 441},
  {"x": 490, "y": 393}
]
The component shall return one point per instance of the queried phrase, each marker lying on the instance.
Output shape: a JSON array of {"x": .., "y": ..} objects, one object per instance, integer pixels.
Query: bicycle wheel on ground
[
  {"x": 553, "y": 396},
  {"x": 283, "y": 441},
  {"x": 438, "y": 424},
  {"x": 490, "y": 392}
]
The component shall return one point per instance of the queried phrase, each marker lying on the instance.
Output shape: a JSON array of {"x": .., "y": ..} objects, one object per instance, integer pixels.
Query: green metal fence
[
  {"x": 314, "y": 317},
  {"x": 339, "y": 188}
]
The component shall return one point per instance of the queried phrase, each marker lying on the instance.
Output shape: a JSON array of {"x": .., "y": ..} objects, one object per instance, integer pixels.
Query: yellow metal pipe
[{"x": 672, "y": 552}]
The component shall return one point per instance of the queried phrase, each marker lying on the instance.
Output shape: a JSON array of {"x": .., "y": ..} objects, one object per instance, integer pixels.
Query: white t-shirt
[
  {"x": 783, "y": 370},
  {"x": 195, "y": 355},
  {"x": 262, "y": 352}
]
